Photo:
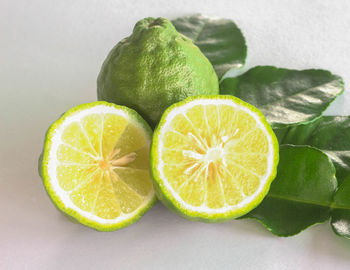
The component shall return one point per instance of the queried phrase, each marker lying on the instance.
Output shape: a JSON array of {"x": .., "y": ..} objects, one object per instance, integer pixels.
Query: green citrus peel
[{"x": 153, "y": 68}]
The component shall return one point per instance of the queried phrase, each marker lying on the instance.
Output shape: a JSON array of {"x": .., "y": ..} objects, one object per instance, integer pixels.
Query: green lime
[
  {"x": 95, "y": 165},
  {"x": 213, "y": 158},
  {"x": 153, "y": 68}
]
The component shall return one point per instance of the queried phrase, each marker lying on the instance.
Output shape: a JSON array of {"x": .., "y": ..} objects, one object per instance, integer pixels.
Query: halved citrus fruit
[
  {"x": 95, "y": 165},
  {"x": 213, "y": 158}
]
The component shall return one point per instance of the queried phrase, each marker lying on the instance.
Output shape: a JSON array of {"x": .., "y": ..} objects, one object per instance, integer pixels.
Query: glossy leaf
[
  {"x": 331, "y": 134},
  {"x": 220, "y": 40},
  {"x": 286, "y": 97},
  {"x": 340, "y": 221},
  {"x": 280, "y": 133},
  {"x": 301, "y": 194}
]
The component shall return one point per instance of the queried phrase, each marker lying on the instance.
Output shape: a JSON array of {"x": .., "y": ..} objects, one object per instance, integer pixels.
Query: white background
[{"x": 50, "y": 55}]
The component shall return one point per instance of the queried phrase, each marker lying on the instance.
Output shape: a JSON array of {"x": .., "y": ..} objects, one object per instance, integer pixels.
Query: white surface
[{"x": 50, "y": 55}]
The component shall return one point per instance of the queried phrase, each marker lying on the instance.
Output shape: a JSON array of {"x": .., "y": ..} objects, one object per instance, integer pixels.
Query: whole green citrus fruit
[{"x": 153, "y": 68}]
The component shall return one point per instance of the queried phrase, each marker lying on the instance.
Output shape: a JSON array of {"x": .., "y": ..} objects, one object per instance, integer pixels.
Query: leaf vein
[{"x": 298, "y": 200}]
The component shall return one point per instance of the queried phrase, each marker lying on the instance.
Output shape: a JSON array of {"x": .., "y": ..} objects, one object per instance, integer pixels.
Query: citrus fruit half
[
  {"x": 95, "y": 165},
  {"x": 213, "y": 158}
]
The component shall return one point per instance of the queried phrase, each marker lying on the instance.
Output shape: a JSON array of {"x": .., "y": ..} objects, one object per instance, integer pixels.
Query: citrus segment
[
  {"x": 113, "y": 128},
  {"x": 132, "y": 139},
  {"x": 129, "y": 200},
  {"x": 96, "y": 165},
  {"x": 70, "y": 176},
  {"x": 86, "y": 193},
  {"x": 142, "y": 162},
  {"x": 214, "y": 191},
  {"x": 232, "y": 189},
  {"x": 75, "y": 136},
  {"x": 136, "y": 179},
  {"x": 93, "y": 127},
  {"x": 106, "y": 204},
  {"x": 213, "y": 157},
  {"x": 69, "y": 154}
]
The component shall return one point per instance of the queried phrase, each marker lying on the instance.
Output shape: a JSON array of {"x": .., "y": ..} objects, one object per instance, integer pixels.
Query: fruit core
[{"x": 113, "y": 160}]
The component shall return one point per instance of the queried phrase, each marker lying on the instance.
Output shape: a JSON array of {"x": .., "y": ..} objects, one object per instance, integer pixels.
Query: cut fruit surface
[
  {"x": 95, "y": 165},
  {"x": 213, "y": 157}
]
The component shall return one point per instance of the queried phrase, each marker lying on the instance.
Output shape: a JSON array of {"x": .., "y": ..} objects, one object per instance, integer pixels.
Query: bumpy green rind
[
  {"x": 43, "y": 161},
  {"x": 153, "y": 68},
  {"x": 165, "y": 195}
]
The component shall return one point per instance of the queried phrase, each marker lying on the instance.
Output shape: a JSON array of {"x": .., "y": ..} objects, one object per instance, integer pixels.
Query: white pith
[
  {"x": 53, "y": 163},
  {"x": 160, "y": 165}
]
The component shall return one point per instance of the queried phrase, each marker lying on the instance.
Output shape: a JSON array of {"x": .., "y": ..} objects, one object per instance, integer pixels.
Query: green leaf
[
  {"x": 340, "y": 221},
  {"x": 331, "y": 134},
  {"x": 286, "y": 97},
  {"x": 280, "y": 133},
  {"x": 220, "y": 40},
  {"x": 301, "y": 194}
]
